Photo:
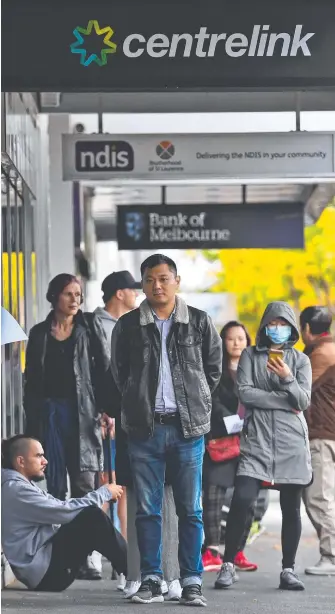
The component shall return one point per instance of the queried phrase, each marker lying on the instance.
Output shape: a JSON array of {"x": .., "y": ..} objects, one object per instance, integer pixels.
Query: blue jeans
[{"x": 183, "y": 458}]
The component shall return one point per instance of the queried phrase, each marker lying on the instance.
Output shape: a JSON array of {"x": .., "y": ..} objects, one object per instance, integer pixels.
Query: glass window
[{"x": 17, "y": 253}]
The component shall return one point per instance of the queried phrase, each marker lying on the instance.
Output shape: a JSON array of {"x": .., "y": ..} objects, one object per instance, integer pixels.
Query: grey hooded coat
[{"x": 274, "y": 443}]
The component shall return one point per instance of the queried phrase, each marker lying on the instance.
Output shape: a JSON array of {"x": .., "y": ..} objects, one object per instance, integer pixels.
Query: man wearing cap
[{"x": 119, "y": 296}]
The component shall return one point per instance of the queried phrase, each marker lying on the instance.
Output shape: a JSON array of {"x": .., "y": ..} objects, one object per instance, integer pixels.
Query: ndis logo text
[{"x": 101, "y": 156}]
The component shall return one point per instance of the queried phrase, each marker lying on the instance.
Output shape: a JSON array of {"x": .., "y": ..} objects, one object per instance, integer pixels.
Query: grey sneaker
[
  {"x": 226, "y": 576},
  {"x": 289, "y": 581},
  {"x": 325, "y": 567},
  {"x": 192, "y": 595},
  {"x": 150, "y": 591}
]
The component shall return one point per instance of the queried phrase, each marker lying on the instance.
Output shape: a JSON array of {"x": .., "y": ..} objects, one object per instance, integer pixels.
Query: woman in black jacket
[
  {"x": 219, "y": 476},
  {"x": 67, "y": 380}
]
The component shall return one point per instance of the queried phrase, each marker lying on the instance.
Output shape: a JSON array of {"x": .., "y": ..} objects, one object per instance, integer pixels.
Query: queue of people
[{"x": 195, "y": 414}]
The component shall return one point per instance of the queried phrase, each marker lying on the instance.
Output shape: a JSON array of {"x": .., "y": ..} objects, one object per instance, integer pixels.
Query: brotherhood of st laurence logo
[{"x": 107, "y": 46}]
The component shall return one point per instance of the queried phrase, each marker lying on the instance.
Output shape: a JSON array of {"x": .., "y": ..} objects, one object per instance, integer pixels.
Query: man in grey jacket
[
  {"x": 119, "y": 296},
  {"x": 45, "y": 540}
]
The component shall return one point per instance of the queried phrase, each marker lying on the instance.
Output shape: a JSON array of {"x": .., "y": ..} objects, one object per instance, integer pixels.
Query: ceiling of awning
[{"x": 187, "y": 102}]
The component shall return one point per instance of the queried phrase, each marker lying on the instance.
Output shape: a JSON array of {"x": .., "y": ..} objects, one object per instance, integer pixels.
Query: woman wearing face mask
[
  {"x": 66, "y": 387},
  {"x": 274, "y": 445},
  {"x": 218, "y": 476}
]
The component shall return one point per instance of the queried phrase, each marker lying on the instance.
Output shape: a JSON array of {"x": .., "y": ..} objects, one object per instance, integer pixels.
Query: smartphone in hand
[{"x": 275, "y": 354}]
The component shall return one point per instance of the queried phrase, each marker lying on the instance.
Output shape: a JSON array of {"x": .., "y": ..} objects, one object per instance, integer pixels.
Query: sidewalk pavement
[{"x": 255, "y": 593}]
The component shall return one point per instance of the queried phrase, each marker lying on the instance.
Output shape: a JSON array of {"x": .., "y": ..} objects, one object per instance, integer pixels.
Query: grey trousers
[
  {"x": 319, "y": 498},
  {"x": 169, "y": 537}
]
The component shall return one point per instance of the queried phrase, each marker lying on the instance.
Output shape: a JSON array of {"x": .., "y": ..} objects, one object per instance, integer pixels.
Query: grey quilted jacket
[{"x": 274, "y": 443}]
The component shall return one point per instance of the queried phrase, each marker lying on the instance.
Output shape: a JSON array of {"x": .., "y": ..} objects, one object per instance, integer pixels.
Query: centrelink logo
[
  {"x": 261, "y": 43},
  {"x": 79, "y": 45}
]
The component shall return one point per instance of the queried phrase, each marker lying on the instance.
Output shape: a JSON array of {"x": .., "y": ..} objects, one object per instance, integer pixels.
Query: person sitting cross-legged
[{"x": 46, "y": 540}]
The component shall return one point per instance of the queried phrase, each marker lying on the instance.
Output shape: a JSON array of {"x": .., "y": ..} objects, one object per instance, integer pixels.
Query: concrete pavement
[{"x": 255, "y": 593}]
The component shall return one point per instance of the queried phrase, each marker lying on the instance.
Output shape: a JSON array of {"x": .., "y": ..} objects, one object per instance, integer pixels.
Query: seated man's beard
[{"x": 37, "y": 478}]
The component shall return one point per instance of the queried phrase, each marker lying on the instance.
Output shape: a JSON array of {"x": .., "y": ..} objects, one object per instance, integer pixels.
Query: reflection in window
[{"x": 13, "y": 296}]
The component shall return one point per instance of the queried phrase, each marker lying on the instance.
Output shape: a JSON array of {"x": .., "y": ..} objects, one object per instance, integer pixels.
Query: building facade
[{"x": 25, "y": 227}]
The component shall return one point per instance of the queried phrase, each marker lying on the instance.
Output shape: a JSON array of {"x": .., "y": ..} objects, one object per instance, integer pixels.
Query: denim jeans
[{"x": 168, "y": 449}]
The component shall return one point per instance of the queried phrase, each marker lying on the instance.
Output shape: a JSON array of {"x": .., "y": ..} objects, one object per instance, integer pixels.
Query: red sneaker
[
  {"x": 241, "y": 562},
  {"x": 211, "y": 562}
]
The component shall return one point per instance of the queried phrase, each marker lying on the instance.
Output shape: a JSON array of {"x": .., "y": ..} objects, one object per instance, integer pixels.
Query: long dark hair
[{"x": 225, "y": 356}]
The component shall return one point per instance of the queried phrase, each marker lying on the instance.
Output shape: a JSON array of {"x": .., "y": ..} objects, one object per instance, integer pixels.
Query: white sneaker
[
  {"x": 121, "y": 582},
  {"x": 131, "y": 588},
  {"x": 164, "y": 588},
  {"x": 88, "y": 571},
  {"x": 174, "y": 592},
  {"x": 325, "y": 567},
  {"x": 96, "y": 559}
]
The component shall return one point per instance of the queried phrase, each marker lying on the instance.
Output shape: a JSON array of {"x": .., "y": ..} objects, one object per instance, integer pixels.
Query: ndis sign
[{"x": 102, "y": 156}]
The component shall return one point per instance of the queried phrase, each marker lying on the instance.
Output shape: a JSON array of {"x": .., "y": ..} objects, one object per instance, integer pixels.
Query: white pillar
[{"x": 62, "y": 257}]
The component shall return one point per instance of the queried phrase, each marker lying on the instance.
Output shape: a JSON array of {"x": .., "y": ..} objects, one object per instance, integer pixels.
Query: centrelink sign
[
  {"x": 126, "y": 45},
  {"x": 203, "y": 44},
  {"x": 262, "y": 42}
]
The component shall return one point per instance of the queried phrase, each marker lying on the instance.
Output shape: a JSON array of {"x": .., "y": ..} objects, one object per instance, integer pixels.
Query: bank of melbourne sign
[
  {"x": 183, "y": 156},
  {"x": 275, "y": 225},
  {"x": 127, "y": 45}
]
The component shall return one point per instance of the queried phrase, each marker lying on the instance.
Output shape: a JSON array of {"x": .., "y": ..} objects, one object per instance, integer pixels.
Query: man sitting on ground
[{"x": 46, "y": 540}]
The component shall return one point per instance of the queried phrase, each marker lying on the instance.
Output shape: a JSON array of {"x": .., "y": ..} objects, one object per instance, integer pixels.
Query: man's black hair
[
  {"x": 318, "y": 318},
  {"x": 156, "y": 260},
  {"x": 12, "y": 448}
]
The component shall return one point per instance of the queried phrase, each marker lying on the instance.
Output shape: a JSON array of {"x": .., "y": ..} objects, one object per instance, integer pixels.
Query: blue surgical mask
[{"x": 278, "y": 334}]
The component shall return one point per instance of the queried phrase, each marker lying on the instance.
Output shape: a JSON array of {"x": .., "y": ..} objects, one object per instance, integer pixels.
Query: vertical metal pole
[
  {"x": 163, "y": 195},
  {"x": 100, "y": 117},
  {"x": 244, "y": 194},
  {"x": 297, "y": 111}
]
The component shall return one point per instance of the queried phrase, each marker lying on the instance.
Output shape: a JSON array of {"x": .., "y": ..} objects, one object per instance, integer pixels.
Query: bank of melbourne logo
[
  {"x": 135, "y": 225},
  {"x": 107, "y": 46},
  {"x": 165, "y": 150}
]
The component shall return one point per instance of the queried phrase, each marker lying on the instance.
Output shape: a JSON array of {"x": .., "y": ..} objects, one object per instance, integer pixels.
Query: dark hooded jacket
[{"x": 274, "y": 444}]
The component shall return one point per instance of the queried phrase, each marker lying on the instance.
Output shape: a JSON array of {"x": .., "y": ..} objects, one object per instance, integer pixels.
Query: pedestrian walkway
[{"x": 255, "y": 593}]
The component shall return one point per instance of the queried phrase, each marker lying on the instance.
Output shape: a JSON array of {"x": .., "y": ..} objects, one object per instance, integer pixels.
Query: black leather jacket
[
  {"x": 195, "y": 354},
  {"x": 93, "y": 383}
]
